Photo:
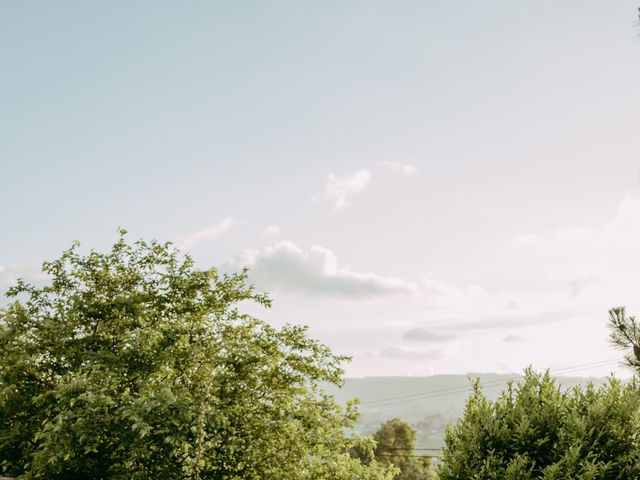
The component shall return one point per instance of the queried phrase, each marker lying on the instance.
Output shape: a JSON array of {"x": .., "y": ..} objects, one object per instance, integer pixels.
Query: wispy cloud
[
  {"x": 400, "y": 167},
  {"x": 271, "y": 230},
  {"x": 512, "y": 339},
  {"x": 210, "y": 233},
  {"x": 338, "y": 189},
  {"x": 620, "y": 234},
  {"x": 577, "y": 285},
  {"x": 463, "y": 300},
  {"x": 601, "y": 258},
  {"x": 499, "y": 321},
  {"x": 287, "y": 267},
  {"x": 403, "y": 353},
  {"x": 418, "y": 334}
]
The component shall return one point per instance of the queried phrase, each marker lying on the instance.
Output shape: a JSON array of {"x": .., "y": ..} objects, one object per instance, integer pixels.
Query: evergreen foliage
[
  {"x": 624, "y": 334},
  {"x": 536, "y": 431}
]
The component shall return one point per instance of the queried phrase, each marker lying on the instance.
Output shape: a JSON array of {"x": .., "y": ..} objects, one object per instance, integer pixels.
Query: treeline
[{"x": 134, "y": 364}]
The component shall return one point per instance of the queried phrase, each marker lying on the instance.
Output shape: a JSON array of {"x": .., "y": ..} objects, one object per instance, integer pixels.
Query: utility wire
[
  {"x": 406, "y": 448},
  {"x": 461, "y": 389},
  {"x": 456, "y": 390},
  {"x": 488, "y": 384},
  {"x": 406, "y": 455},
  {"x": 465, "y": 388}
]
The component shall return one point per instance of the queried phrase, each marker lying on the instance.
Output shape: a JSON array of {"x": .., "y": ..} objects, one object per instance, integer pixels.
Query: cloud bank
[
  {"x": 287, "y": 267},
  {"x": 619, "y": 235},
  {"x": 600, "y": 260}
]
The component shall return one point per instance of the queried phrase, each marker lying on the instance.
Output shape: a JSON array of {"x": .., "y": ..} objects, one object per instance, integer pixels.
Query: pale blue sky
[{"x": 520, "y": 119}]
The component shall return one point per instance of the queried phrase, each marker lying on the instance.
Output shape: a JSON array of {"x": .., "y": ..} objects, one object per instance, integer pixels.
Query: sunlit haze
[{"x": 431, "y": 187}]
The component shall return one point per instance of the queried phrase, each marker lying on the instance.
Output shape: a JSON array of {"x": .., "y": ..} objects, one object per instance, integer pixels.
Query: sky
[{"x": 431, "y": 186}]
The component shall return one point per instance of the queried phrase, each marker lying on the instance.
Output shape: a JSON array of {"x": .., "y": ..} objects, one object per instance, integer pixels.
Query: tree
[
  {"x": 395, "y": 445},
  {"x": 536, "y": 431},
  {"x": 624, "y": 334},
  {"x": 134, "y": 364}
]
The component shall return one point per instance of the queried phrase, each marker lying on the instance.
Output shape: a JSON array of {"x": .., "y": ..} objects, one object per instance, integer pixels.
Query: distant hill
[{"x": 427, "y": 403}]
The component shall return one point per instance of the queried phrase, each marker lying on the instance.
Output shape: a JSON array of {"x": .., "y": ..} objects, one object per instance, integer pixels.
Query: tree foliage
[
  {"x": 135, "y": 364},
  {"x": 395, "y": 445},
  {"x": 536, "y": 431},
  {"x": 624, "y": 334}
]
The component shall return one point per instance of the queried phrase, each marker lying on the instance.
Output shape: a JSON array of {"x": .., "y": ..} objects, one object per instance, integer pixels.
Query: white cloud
[
  {"x": 271, "y": 230},
  {"x": 463, "y": 300},
  {"x": 577, "y": 285},
  {"x": 558, "y": 239},
  {"x": 400, "y": 167},
  {"x": 456, "y": 308},
  {"x": 511, "y": 305},
  {"x": 210, "y": 233},
  {"x": 621, "y": 233},
  {"x": 339, "y": 189},
  {"x": 601, "y": 259},
  {"x": 287, "y": 267},
  {"x": 403, "y": 353},
  {"x": 506, "y": 320},
  {"x": 9, "y": 275},
  {"x": 513, "y": 339},
  {"x": 418, "y": 334}
]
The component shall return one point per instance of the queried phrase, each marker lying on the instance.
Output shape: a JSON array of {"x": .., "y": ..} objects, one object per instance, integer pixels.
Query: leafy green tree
[
  {"x": 135, "y": 364},
  {"x": 395, "y": 446},
  {"x": 536, "y": 431}
]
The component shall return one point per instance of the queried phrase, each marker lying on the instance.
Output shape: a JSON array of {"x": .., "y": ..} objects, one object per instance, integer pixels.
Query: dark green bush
[{"x": 536, "y": 431}]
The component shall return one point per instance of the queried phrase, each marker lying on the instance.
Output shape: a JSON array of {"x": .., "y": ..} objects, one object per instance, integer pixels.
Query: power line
[
  {"x": 456, "y": 390},
  {"x": 412, "y": 449},
  {"x": 459, "y": 388},
  {"x": 465, "y": 388},
  {"x": 406, "y": 455},
  {"x": 453, "y": 390}
]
